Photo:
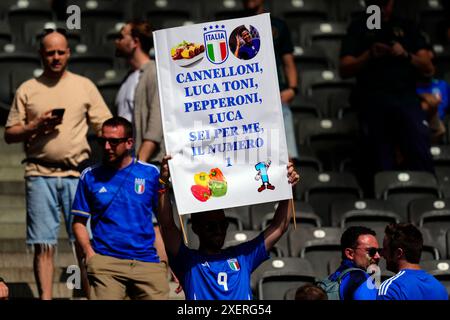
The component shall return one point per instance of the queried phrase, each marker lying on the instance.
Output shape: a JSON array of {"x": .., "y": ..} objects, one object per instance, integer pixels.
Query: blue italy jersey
[
  {"x": 225, "y": 276},
  {"x": 356, "y": 284},
  {"x": 440, "y": 88},
  {"x": 121, "y": 204},
  {"x": 411, "y": 284}
]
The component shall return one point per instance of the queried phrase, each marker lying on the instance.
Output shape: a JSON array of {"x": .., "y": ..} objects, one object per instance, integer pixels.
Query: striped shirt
[{"x": 411, "y": 284}]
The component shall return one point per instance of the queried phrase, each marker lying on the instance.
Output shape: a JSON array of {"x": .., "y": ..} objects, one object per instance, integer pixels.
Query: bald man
[{"x": 56, "y": 147}]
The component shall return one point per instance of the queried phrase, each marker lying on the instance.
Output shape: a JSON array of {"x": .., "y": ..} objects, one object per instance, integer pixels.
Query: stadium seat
[
  {"x": 5, "y": 96},
  {"x": 5, "y": 5},
  {"x": 441, "y": 156},
  {"x": 234, "y": 238},
  {"x": 325, "y": 35},
  {"x": 433, "y": 214},
  {"x": 430, "y": 249},
  {"x": 98, "y": 10},
  {"x": 276, "y": 276},
  {"x": 308, "y": 176},
  {"x": 328, "y": 187},
  {"x": 339, "y": 105},
  {"x": 440, "y": 269},
  {"x": 34, "y": 30},
  {"x": 317, "y": 245},
  {"x": 429, "y": 14},
  {"x": 15, "y": 56},
  {"x": 320, "y": 84},
  {"x": 168, "y": 13},
  {"x": 308, "y": 159},
  {"x": 26, "y": 11},
  {"x": 298, "y": 12},
  {"x": 310, "y": 58},
  {"x": 5, "y": 34},
  {"x": 447, "y": 241},
  {"x": 109, "y": 87},
  {"x": 364, "y": 212},
  {"x": 106, "y": 32},
  {"x": 349, "y": 8},
  {"x": 221, "y": 9},
  {"x": 20, "y": 75},
  {"x": 90, "y": 59},
  {"x": 332, "y": 140},
  {"x": 441, "y": 60},
  {"x": 304, "y": 107},
  {"x": 400, "y": 187}
]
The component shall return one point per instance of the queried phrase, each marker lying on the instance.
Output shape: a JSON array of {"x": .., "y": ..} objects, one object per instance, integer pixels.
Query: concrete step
[
  {"x": 11, "y": 173},
  {"x": 13, "y": 159},
  {"x": 26, "y": 259},
  {"x": 12, "y": 215},
  {"x": 28, "y": 290},
  {"x": 18, "y": 231},
  {"x": 12, "y": 187},
  {"x": 26, "y": 274},
  {"x": 19, "y": 246},
  {"x": 12, "y": 201}
]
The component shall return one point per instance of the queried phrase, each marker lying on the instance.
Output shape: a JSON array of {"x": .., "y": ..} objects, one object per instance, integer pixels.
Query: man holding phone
[{"x": 50, "y": 114}]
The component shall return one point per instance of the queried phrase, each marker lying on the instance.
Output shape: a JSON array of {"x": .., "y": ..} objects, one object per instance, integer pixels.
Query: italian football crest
[
  {"x": 216, "y": 43},
  {"x": 234, "y": 264},
  {"x": 139, "y": 185}
]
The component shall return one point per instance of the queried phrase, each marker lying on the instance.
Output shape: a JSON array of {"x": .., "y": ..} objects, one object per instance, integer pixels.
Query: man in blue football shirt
[
  {"x": 213, "y": 273},
  {"x": 359, "y": 247},
  {"x": 120, "y": 198},
  {"x": 402, "y": 248}
]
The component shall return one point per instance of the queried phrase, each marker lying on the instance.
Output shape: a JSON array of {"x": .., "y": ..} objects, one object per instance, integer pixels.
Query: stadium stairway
[{"x": 16, "y": 259}]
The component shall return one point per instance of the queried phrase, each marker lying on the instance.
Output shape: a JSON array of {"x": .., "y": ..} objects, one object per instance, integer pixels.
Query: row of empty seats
[{"x": 278, "y": 278}]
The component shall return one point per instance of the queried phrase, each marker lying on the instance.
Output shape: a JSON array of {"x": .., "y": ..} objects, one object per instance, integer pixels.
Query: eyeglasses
[
  {"x": 214, "y": 225},
  {"x": 113, "y": 142},
  {"x": 372, "y": 251}
]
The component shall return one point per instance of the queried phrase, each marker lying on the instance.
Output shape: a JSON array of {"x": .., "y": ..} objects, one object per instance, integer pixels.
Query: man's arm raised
[
  {"x": 171, "y": 235},
  {"x": 280, "y": 221}
]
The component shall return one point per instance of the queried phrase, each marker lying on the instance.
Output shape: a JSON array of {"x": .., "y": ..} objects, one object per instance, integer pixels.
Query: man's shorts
[{"x": 46, "y": 198}]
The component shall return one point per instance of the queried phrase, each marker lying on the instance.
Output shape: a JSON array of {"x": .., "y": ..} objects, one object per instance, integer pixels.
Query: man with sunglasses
[
  {"x": 55, "y": 144},
  {"x": 213, "y": 273},
  {"x": 120, "y": 198},
  {"x": 360, "y": 249},
  {"x": 402, "y": 248}
]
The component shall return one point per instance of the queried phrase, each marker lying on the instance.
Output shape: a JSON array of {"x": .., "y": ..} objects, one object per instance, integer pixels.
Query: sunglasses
[
  {"x": 214, "y": 225},
  {"x": 372, "y": 251},
  {"x": 113, "y": 142}
]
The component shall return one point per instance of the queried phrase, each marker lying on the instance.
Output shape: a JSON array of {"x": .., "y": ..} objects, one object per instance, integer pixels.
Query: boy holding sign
[{"x": 213, "y": 273}]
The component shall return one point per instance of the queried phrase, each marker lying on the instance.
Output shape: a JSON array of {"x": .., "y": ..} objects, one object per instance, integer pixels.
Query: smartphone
[{"x": 58, "y": 112}]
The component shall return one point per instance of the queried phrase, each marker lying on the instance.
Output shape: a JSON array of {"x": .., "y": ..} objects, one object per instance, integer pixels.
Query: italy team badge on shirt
[
  {"x": 139, "y": 185},
  {"x": 233, "y": 264}
]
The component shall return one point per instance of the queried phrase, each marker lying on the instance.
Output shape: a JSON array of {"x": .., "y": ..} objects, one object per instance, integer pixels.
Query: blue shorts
[{"x": 46, "y": 198}]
